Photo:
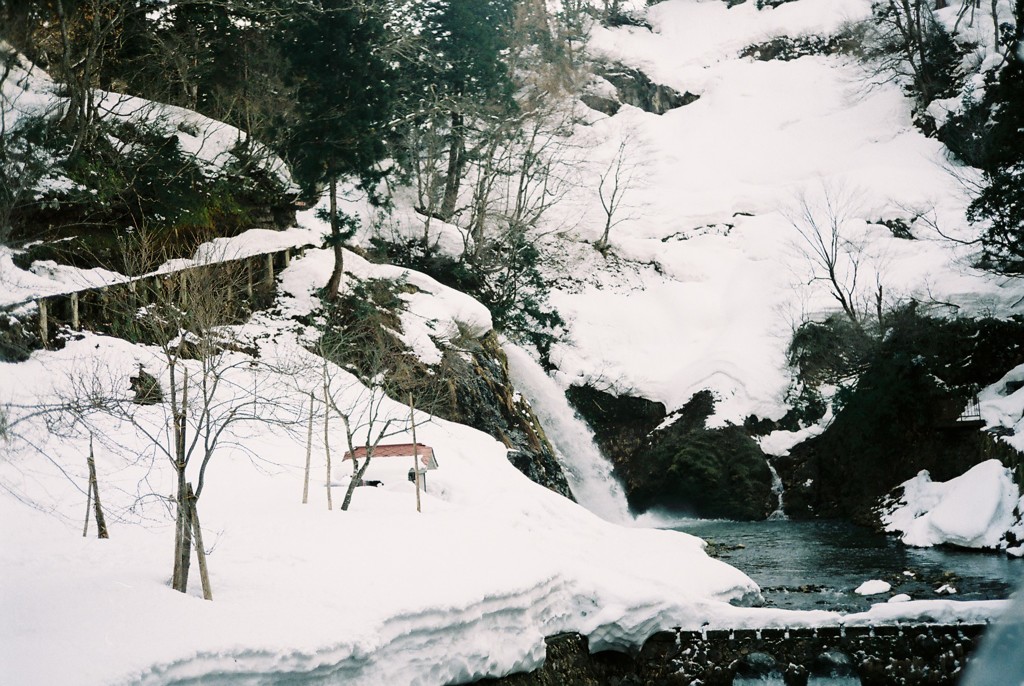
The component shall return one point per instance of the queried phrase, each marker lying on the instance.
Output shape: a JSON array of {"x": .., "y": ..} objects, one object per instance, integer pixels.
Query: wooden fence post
[
  {"x": 183, "y": 295},
  {"x": 268, "y": 279},
  {"x": 44, "y": 329},
  {"x": 415, "y": 453},
  {"x": 75, "y": 320}
]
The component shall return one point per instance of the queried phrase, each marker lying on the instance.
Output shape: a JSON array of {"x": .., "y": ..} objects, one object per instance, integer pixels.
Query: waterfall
[
  {"x": 588, "y": 472},
  {"x": 778, "y": 514}
]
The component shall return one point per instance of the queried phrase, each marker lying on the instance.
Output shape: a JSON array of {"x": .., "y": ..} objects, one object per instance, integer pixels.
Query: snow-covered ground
[
  {"x": 708, "y": 285},
  {"x": 380, "y": 594}
]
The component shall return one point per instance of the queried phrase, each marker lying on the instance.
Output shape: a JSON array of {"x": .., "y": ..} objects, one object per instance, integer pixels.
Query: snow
[
  {"x": 873, "y": 587},
  {"x": 702, "y": 290},
  {"x": 974, "y": 510},
  {"x": 378, "y": 594},
  {"x": 721, "y": 279},
  {"x": 1004, "y": 410}
]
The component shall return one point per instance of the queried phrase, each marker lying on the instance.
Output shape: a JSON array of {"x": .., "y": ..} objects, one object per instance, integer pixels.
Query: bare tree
[
  {"x": 617, "y": 180},
  {"x": 834, "y": 258},
  {"x": 380, "y": 374},
  {"x": 203, "y": 389},
  {"x": 907, "y": 44},
  {"x": 367, "y": 414}
]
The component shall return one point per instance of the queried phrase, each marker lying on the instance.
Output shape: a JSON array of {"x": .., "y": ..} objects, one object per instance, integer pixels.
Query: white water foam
[
  {"x": 779, "y": 514},
  {"x": 588, "y": 472}
]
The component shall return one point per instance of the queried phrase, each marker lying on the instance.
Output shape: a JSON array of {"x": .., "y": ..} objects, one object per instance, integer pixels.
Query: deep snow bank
[
  {"x": 378, "y": 594},
  {"x": 974, "y": 510}
]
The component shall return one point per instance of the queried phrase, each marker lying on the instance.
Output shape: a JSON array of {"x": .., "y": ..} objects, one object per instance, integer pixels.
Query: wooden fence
[{"x": 254, "y": 284}]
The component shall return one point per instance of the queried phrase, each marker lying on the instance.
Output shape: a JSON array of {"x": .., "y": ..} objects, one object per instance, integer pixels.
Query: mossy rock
[
  {"x": 685, "y": 467},
  {"x": 470, "y": 385},
  {"x": 690, "y": 469},
  {"x": 621, "y": 423},
  {"x": 17, "y": 341},
  {"x": 901, "y": 414}
]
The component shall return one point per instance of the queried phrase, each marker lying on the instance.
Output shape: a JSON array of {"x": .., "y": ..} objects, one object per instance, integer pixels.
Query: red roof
[{"x": 425, "y": 452}]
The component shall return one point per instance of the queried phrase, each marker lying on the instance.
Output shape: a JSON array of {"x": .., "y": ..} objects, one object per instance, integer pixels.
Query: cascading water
[
  {"x": 779, "y": 514},
  {"x": 588, "y": 472}
]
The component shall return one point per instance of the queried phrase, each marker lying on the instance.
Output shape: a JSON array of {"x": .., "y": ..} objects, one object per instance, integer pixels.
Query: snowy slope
[
  {"x": 383, "y": 595},
  {"x": 378, "y": 594},
  {"x": 722, "y": 274}
]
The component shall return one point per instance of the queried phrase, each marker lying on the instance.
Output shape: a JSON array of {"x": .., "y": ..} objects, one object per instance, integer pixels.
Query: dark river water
[{"x": 817, "y": 565}]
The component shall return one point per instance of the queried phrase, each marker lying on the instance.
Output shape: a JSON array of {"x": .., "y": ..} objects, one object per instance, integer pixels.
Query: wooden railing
[{"x": 78, "y": 308}]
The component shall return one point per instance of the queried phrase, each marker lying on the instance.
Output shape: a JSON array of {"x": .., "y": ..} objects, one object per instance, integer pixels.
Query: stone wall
[{"x": 917, "y": 654}]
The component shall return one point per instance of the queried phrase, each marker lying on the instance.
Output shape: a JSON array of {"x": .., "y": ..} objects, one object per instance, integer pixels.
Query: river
[{"x": 817, "y": 565}]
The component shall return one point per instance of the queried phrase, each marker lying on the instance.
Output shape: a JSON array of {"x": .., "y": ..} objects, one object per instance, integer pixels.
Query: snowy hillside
[
  {"x": 723, "y": 275},
  {"x": 379, "y": 594}
]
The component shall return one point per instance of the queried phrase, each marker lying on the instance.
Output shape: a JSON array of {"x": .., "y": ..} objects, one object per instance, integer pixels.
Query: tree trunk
[
  {"x": 327, "y": 449},
  {"x": 94, "y": 488},
  {"x": 334, "y": 283},
  {"x": 204, "y": 574},
  {"x": 455, "y": 164},
  {"x": 88, "y": 507},
  {"x": 182, "y": 537},
  {"x": 183, "y": 526},
  {"x": 309, "y": 451},
  {"x": 356, "y": 479}
]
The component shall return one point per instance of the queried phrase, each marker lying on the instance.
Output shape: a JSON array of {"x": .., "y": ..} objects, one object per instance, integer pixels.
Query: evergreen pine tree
[
  {"x": 343, "y": 103},
  {"x": 469, "y": 41},
  {"x": 1001, "y": 201}
]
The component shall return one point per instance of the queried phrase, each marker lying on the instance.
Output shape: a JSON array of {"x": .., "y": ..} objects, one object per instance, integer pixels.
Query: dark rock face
[
  {"x": 635, "y": 88},
  {"x": 785, "y": 48},
  {"x": 684, "y": 467},
  {"x": 17, "y": 341},
  {"x": 621, "y": 423},
  {"x": 706, "y": 472},
  {"x": 902, "y": 417}
]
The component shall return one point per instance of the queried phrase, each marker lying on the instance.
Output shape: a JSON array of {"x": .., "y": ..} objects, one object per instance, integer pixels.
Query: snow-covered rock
[
  {"x": 873, "y": 587},
  {"x": 974, "y": 510}
]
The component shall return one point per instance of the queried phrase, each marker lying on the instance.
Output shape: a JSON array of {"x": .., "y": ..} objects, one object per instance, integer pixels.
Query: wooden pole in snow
[
  {"x": 309, "y": 451},
  {"x": 44, "y": 333},
  {"x": 101, "y": 522},
  {"x": 327, "y": 448},
  {"x": 415, "y": 454},
  {"x": 88, "y": 506},
  {"x": 268, "y": 277},
  {"x": 75, "y": 320},
  {"x": 204, "y": 574}
]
